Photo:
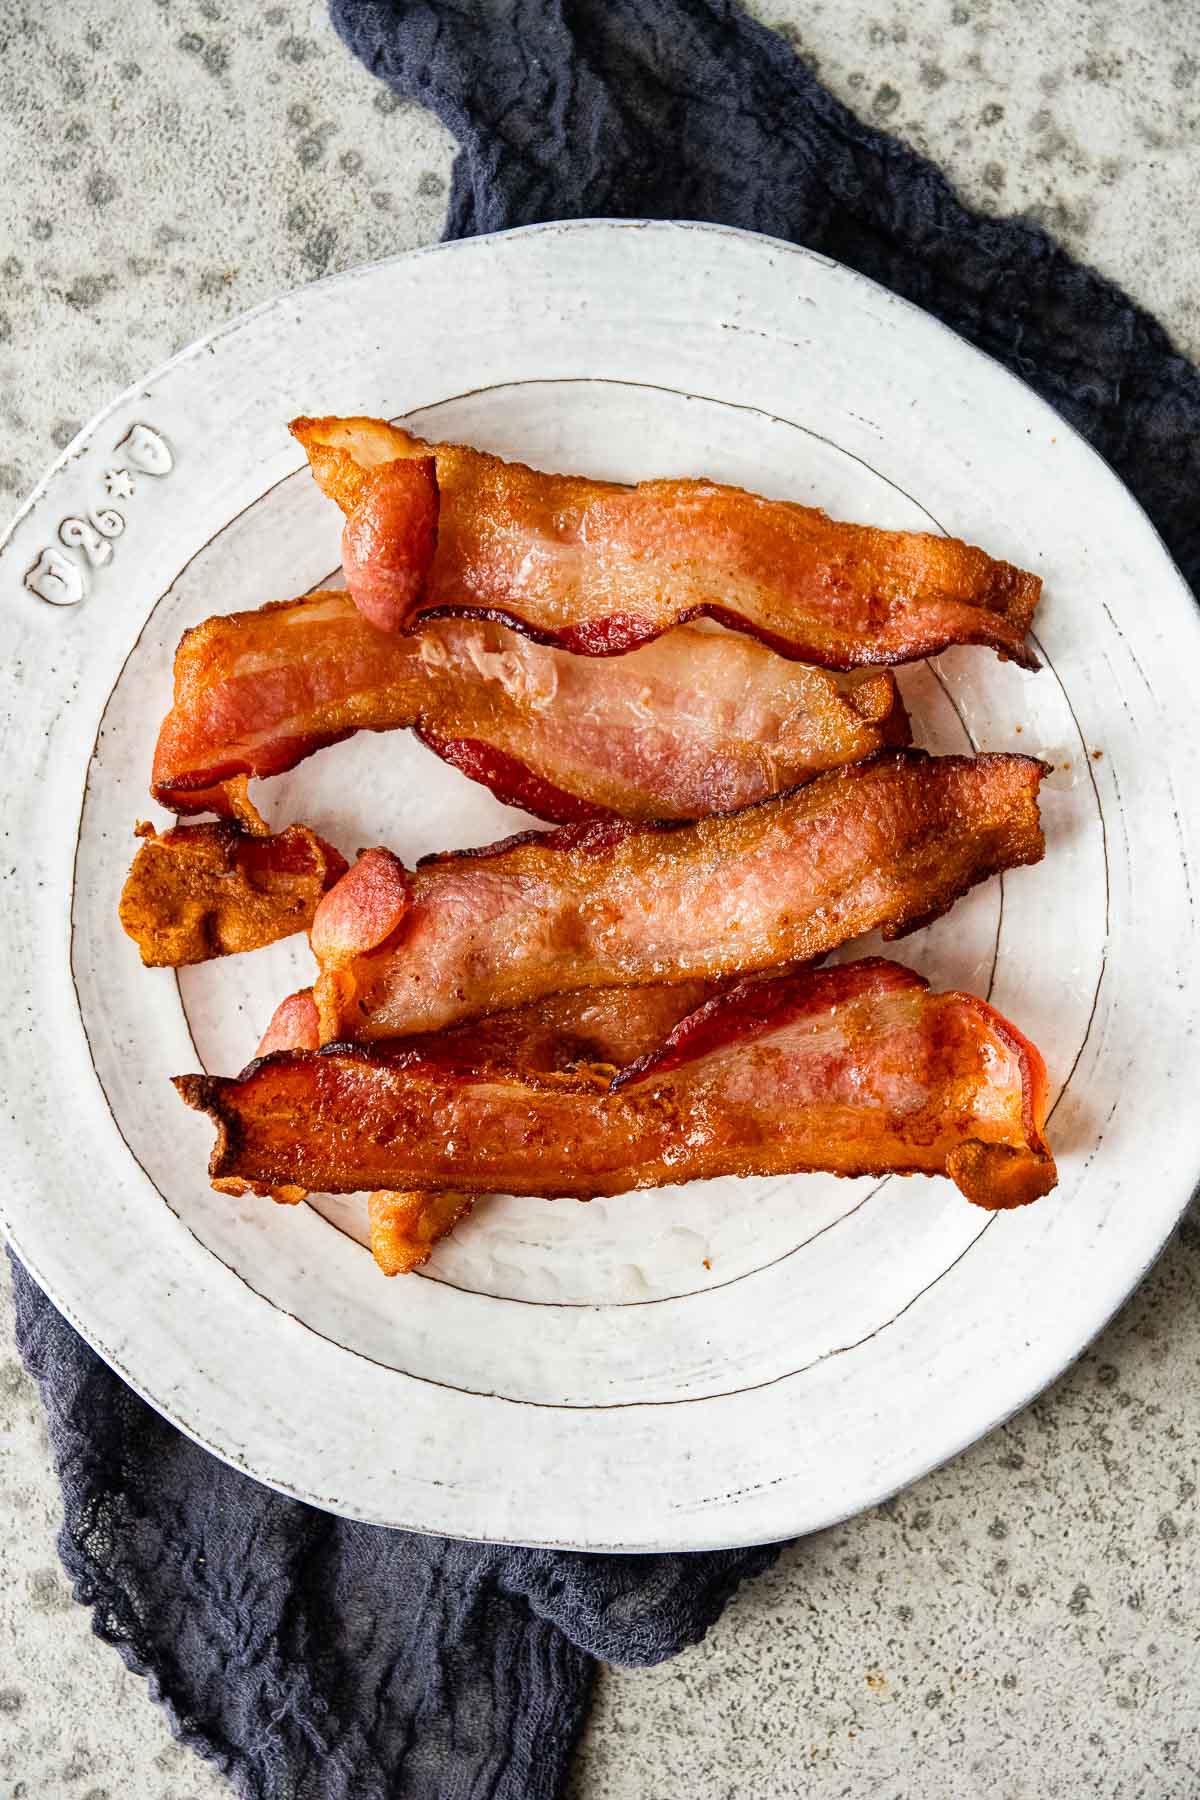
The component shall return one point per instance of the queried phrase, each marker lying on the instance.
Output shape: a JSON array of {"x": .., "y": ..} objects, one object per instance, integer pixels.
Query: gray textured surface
[{"x": 1021, "y": 1624}]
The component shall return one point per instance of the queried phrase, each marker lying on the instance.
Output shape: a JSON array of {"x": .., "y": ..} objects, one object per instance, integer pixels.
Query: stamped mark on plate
[{"x": 62, "y": 575}]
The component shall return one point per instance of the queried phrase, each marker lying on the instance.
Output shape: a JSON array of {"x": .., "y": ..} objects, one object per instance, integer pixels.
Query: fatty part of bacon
[
  {"x": 596, "y": 568},
  {"x": 890, "y": 843},
  {"x": 700, "y": 721},
  {"x": 857, "y": 1070}
]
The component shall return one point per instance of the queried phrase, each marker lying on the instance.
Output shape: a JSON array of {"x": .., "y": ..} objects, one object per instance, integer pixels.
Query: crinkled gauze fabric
[{"x": 313, "y": 1658}]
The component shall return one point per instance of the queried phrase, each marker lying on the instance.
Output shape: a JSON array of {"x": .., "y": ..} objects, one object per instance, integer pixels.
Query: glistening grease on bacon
[
  {"x": 199, "y": 891},
  {"x": 697, "y": 722},
  {"x": 889, "y": 843},
  {"x": 596, "y": 568},
  {"x": 857, "y": 1070}
]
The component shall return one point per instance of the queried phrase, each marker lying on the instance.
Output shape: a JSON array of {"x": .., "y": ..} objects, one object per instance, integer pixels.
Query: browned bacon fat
[
  {"x": 597, "y": 569},
  {"x": 199, "y": 891},
  {"x": 890, "y": 843},
  {"x": 698, "y": 722},
  {"x": 857, "y": 1070},
  {"x": 406, "y": 1227}
]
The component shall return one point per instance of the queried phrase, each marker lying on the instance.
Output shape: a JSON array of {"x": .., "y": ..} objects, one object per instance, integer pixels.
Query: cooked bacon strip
[
  {"x": 606, "y": 1030},
  {"x": 889, "y": 843},
  {"x": 699, "y": 722},
  {"x": 199, "y": 891},
  {"x": 857, "y": 1070},
  {"x": 598, "y": 569}
]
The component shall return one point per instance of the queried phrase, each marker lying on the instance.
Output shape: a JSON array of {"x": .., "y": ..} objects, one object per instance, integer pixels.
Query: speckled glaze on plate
[{"x": 720, "y": 1364}]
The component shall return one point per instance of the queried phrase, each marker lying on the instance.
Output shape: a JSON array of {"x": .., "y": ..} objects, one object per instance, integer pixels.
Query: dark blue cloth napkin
[{"x": 315, "y": 1659}]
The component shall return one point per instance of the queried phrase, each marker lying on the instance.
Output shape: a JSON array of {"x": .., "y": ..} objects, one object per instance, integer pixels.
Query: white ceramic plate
[{"x": 699, "y": 1367}]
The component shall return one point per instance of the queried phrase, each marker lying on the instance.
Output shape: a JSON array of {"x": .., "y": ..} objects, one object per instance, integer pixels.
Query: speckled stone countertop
[{"x": 1021, "y": 1624}]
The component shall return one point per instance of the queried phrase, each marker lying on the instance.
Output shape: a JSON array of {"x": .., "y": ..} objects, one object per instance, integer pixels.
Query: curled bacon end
[
  {"x": 405, "y": 1227},
  {"x": 199, "y": 891},
  {"x": 294, "y": 1025},
  {"x": 389, "y": 540},
  {"x": 999, "y": 1177},
  {"x": 365, "y": 910},
  {"x": 856, "y": 1070},
  {"x": 598, "y": 569}
]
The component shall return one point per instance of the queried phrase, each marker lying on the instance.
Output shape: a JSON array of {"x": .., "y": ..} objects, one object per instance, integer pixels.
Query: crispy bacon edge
[
  {"x": 355, "y": 462},
  {"x": 199, "y": 891},
  {"x": 343, "y": 1092}
]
